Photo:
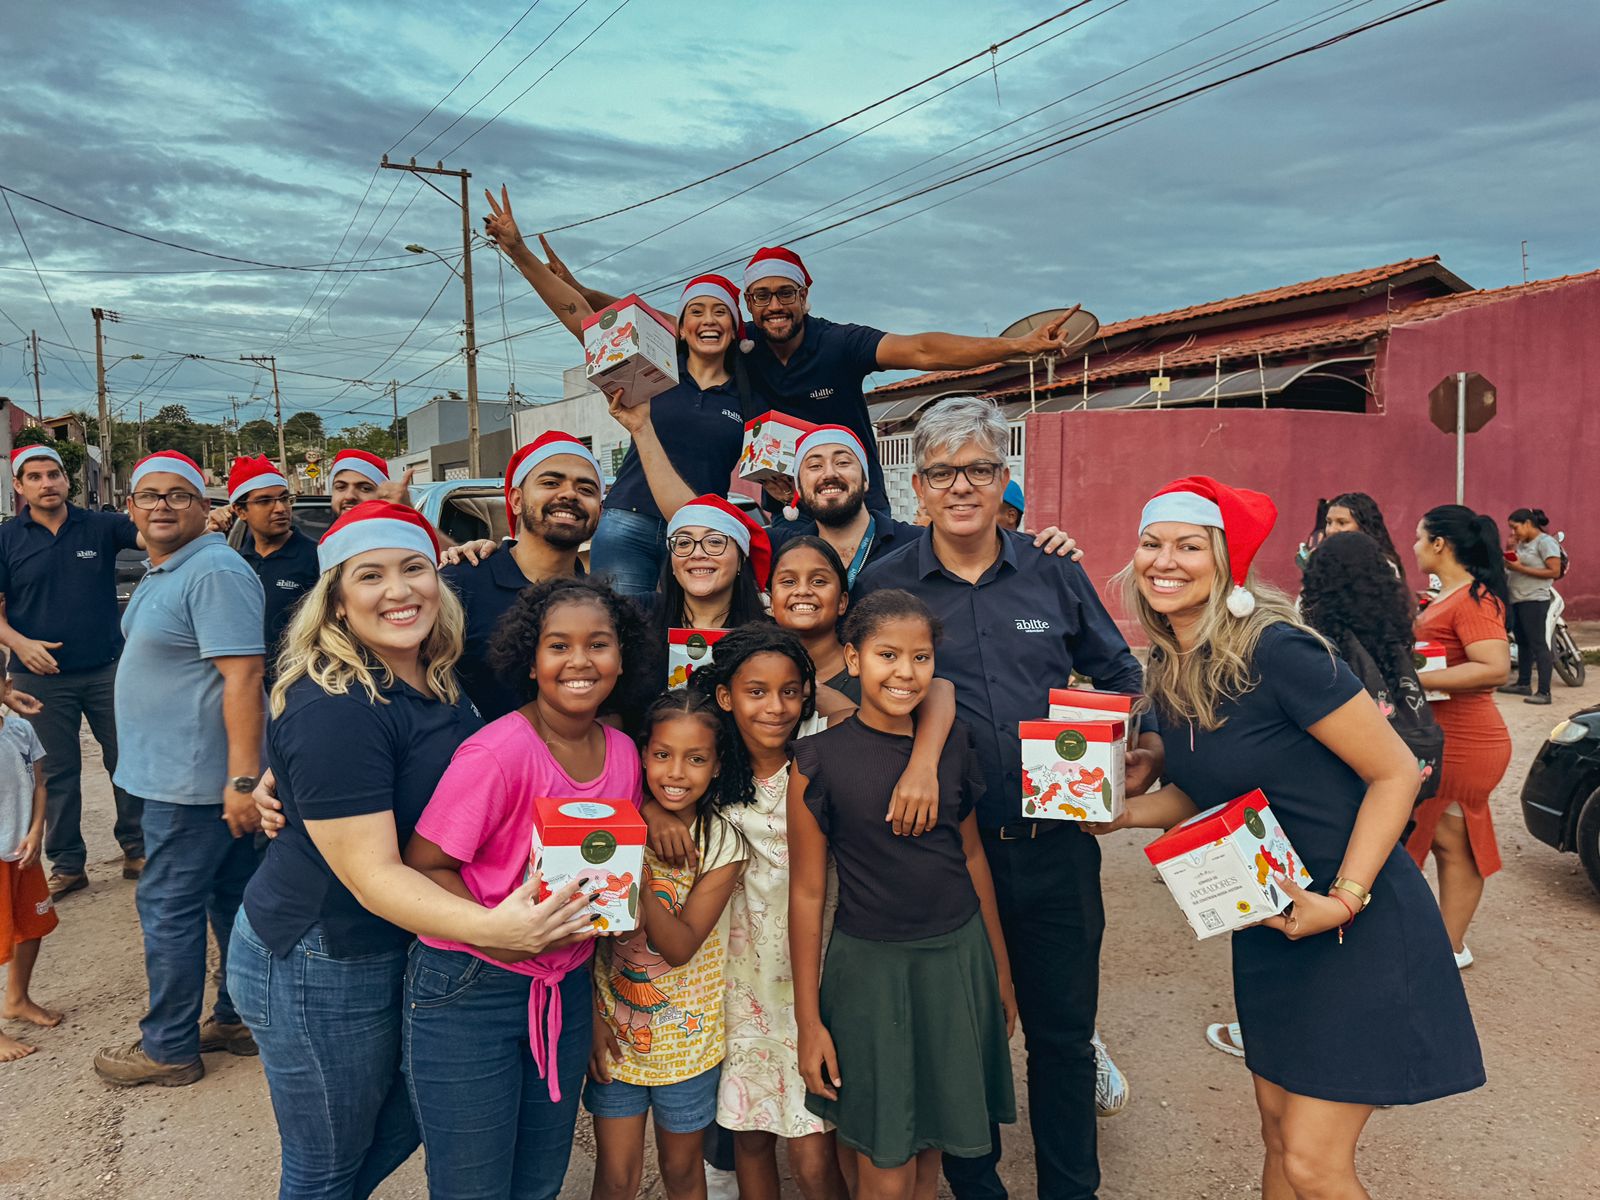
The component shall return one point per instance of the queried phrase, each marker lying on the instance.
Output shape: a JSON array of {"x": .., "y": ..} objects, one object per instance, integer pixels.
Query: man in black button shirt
[
  {"x": 283, "y": 558},
  {"x": 1018, "y": 622}
]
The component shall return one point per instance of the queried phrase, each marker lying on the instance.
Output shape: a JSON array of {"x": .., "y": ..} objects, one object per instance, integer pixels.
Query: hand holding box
[
  {"x": 1429, "y": 656},
  {"x": 770, "y": 442},
  {"x": 1072, "y": 770},
  {"x": 600, "y": 843},
  {"x": 629, "y": 345}
]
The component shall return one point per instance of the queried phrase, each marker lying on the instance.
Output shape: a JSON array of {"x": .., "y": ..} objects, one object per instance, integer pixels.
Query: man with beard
[
  {"x": 283, "y": 558},
  {"x": 357, "y": 475},
  {"x": 553, "y": 503}
]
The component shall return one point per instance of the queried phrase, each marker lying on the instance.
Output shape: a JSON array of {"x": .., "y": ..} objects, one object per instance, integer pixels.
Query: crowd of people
[{"x": 330, "y": 753}]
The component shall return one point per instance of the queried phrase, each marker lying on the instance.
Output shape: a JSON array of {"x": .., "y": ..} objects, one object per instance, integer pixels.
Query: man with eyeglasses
[
  {"x": 283, "y": 558},
  {"x": 190, "y": 709},
  {"x": 1017, "y": 623},
  {"x": 814, "y": 369},
  {"x": 58, "y": 577}
]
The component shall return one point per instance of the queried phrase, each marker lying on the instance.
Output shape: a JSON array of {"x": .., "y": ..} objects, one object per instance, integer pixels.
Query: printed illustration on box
[
  {"x": 1429, "y": 656},
  {"x": 1219, "y": 865},
  {"x": 770, "y": 441},
  {"x": 1072, "y": 770},
  {"x": 629, "y": 345},
  {"x": 1088, "y": 704},
  {"x": 600, "y": 843},
  {"x": 687, "y": 651}
]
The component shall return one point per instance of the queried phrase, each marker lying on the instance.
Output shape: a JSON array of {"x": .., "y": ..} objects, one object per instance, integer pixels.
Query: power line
[{"x": 15, "y": 224}]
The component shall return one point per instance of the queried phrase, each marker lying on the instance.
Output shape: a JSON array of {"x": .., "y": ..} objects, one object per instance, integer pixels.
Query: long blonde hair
[
  {"x": 319, "y": 644},
  {"x": 1192, "y": 684}
]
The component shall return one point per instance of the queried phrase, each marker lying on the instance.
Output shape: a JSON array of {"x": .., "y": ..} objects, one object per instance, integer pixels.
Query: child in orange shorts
[{"x": 26, "y": 913}]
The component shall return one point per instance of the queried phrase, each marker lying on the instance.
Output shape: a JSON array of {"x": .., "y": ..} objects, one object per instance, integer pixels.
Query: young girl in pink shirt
[{"x": 496, "y": 1044}]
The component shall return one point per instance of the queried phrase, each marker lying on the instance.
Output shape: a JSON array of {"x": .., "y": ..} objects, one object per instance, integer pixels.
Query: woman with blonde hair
[
  {"x": 366, "y": 713},
  {"x": 1349, "y": 999}
]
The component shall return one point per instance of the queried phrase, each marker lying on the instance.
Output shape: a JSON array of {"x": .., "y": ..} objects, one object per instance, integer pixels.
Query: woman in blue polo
[
  {"x": 685, "y": 441},
  {"x": 366, "y": 714}
]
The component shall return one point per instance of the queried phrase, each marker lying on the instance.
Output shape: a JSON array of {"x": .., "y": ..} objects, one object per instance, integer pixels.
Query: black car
[{"x": 1561, "y": 796}]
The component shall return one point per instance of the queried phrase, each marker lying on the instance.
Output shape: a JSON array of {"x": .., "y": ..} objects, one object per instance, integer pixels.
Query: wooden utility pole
[
  {"x": 394, "y": 400},
  {"x": 277, "y": 405},
  {"x": 38, "y": 396},
  {"x": 102, "y": 315},
  {"x": 473, "y": 464}
]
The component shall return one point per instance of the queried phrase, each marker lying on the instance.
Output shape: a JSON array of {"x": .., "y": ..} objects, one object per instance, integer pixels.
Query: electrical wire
[{"x": 17, "y": 225}]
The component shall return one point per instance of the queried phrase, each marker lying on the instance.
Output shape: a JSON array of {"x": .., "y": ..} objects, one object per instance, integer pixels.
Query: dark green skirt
[{"x": 921, "y": 1038}]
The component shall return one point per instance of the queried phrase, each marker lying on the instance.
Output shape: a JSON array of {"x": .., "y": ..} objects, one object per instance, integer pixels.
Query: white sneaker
[
  {"x": 1463, "y": 957},
  {"x": 721, "y": 1185},
  {"x": 1227, "y": 1038},
  {"x": 1111, "y": 1091}
]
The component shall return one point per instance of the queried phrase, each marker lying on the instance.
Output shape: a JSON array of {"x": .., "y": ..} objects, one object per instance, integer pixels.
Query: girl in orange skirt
[{"x": 1469, "y": 620}]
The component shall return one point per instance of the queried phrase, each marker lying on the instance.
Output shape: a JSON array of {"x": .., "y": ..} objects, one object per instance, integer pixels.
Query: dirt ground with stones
[{"x": 1190, "y": 1130}]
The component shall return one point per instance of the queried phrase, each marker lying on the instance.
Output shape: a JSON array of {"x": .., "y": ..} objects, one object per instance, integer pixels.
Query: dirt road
[{"x": 1189, "y": 1132}]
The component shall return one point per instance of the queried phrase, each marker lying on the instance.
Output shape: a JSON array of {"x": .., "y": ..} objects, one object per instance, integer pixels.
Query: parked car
[
  {"x": 1561, "y": 795},
  {"x": 464, "y": 509}
]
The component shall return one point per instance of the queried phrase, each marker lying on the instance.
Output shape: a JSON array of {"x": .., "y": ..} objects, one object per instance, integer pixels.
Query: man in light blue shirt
[{"x": 189, "y": 712}]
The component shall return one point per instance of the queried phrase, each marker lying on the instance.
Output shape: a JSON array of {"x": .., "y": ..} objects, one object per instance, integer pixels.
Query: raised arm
[
  {"x": 562, "y": 299},
  {"x": 954, "y": 351},
  {"x": 596, "y": 298},
  {"x": 667, "y": 487}
]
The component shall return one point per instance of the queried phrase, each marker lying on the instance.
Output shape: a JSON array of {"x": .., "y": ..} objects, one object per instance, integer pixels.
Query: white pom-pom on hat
[
  {"x": 1241, "y": 603},
  {"x": 746, "y": 345},
  {"x": 791, "y": 513}
]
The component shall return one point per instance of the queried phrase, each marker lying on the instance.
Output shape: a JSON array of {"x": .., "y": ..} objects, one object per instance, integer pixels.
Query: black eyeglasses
[
  {"x": 760, "y": 297},
  {"x": 979, "y": 474},
  {"x": 265, "y": 502},
  {"x": 176, "y": 501},
  {"x": 683, "y": 545}
]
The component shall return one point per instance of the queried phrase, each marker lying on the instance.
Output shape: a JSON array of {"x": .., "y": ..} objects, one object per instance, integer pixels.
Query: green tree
[
  {"x": 258, "y": 437},
  {"x": 173, "y": 414},
  {"x": 73, "y": 456},
  {"x": 368, "y": 436},
  {"x": 303, "y": 428}
]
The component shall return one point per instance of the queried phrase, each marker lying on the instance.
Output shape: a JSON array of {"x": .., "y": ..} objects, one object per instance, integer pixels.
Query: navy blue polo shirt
[
  {"x": 62, "y": 587},
  {"x": 887, "y": 534},
  {"x": 286, "y": 575},
  {"x": 1030, "y": 621},
  {"x": 344, "y": 756},
  {"x": 702, "y": 431},
  {"x": 821, "y": 383}
]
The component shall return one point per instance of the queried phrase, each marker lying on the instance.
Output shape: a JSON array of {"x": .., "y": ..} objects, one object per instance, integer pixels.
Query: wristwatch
[
  {"x": 1361, "y": 894},
  {"x": 244, "y": 783}
]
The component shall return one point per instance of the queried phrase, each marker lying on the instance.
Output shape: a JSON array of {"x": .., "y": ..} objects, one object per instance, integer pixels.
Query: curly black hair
[
  {"x": 880, "y": 607},
  {"x": 516, "y": 642},
  {"x": 1351, "y": 595},
  {"x": 1369, "y": 519},
  {"x": 724, "y": 790},
  {"x": 733, "y": 651}
]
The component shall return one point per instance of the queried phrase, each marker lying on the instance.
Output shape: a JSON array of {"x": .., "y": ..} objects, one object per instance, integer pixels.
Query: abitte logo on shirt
[
  {"x": 88, "y": 554},
  {"x": 733, "y": 416},
  {"x": 821, "y": 393},
  {"x": 290, "y": 585},
  {"x": 1032, "y": 625}
]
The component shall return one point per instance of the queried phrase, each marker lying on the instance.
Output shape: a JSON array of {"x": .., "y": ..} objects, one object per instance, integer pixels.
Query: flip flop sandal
[{"x": 1226, "y": 1038}]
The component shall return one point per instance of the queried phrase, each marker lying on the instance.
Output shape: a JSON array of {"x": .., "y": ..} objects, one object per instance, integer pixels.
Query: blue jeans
[
  {"x": 195, "y": 870},
  {"x": 628, "y": 549},
  {"x": 489, "y": 1126},
  {"x": 329, "y": 1032}
]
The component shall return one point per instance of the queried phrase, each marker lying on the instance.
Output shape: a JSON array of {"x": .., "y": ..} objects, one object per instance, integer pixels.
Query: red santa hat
[
  {"x": 23, "y": 453},
  {"x": 830, "y": 435},
  {"x": 776, "y": 262},
  {"x": 719, "y": 288},
  {"x": 369, "y": 466},
  {"x": 168, "y": 462},
  {"x": 547, "y": 445},
  {"x": 248, "y": 474},
  {"x": 1245, "y": 518},
  {"x": 717, "y": 513},
  {"x": 377, "y": 525}
]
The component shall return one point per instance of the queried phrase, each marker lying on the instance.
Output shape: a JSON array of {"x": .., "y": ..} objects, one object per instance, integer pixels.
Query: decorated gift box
[
  {"x": 687, "y": 651},
  {"x": 1219, "y": 864},
  {"x": 631, "y": 346},
  {"x": 769, "y": 445},
  {"x": 1429, "y": 656},
  {"x": 1087, "y": 704},
  {"x": 1072, "y": 770},
  {"x": 600, "y": 843}
]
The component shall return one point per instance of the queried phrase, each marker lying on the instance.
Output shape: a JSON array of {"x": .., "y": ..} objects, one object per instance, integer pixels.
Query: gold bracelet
[{"x": 1342, "y": 884}]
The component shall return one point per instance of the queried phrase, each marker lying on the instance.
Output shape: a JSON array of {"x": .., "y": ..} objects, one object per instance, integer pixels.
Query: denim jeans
[
  {"x": 489, "y": 1126},
  {"x": 69, "y": 699},
  {"x": 195, "y": 871},
  {"x": 329, "y": 1032},
  {"x": 1048, "y": 892},
  {"x": 628, "y": 549}
]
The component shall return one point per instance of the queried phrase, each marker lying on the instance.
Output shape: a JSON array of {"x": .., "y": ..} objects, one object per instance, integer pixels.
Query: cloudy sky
[{"x": 255, "y": 130}]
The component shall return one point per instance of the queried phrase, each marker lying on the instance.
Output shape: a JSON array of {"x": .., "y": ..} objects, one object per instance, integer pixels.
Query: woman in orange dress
[{"x": 1468, "y": 619}]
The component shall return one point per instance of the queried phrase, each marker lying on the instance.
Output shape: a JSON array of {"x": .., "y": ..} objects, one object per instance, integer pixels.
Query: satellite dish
[{"x": 1082, "y": 326}]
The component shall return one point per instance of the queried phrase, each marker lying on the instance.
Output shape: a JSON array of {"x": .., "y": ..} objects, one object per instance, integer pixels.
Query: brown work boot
[
  {"x": 130, "y": 1066},
  {"x": 62, "y": 884},
  {"x": 235, "y": 1039},
  {"x": 132, "y": 867}
]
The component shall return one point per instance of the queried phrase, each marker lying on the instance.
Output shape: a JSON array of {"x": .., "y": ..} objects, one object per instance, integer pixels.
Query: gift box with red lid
[
  {"x": 1072, "y": 770},
  {"x": 1219, "y": 864},
  {"x": 770, "y": 441},
  {"x": 1429, "y": 656},
  {"x": 600, "y": 843},
  {"x": 630, "y": 345},
  {"x": 687, "y": 651},
  {"x": 1088, "y": 704}
]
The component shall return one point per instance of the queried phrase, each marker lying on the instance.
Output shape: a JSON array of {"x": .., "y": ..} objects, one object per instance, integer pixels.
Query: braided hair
[
  {"x": 1351, "y": 595},
  {"x": 738, "y": 647}
]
